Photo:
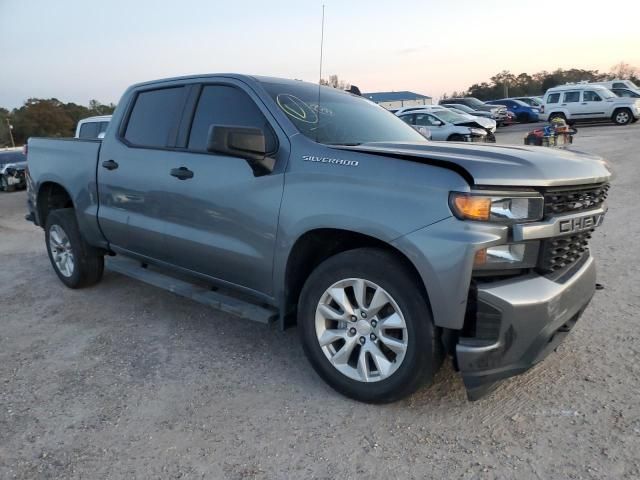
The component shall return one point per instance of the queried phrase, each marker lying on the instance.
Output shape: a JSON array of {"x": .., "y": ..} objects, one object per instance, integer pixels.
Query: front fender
[{"x": 443, "y": 253}]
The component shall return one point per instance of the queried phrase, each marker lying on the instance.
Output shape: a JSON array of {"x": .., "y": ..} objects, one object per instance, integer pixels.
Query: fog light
[{"x": 513, "y": 255}]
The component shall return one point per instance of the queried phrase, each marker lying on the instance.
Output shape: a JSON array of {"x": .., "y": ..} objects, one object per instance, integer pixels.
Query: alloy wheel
[
  {"x": 61, "y": 250},
  {"x": 361, "y": 330}
]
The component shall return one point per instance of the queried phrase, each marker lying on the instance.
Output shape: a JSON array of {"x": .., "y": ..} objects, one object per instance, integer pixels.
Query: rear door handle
[
  {"x": 182, "y": 173},
  {"x": 110, "y": 164}
]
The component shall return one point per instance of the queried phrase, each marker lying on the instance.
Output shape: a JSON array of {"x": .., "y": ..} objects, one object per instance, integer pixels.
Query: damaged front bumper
[
  {"x": 518, "y": 322},
  {"x": 13, "y": 177}
]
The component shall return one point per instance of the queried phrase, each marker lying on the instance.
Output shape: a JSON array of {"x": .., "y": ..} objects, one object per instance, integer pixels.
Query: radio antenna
[{"x": 320, "y": 79}]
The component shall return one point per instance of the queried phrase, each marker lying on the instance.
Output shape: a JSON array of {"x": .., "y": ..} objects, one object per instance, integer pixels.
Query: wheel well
[
  {"x": 315, "y": 246},
  {"x": 454, "y": 136},
  {"x": 51, "y": 196}
]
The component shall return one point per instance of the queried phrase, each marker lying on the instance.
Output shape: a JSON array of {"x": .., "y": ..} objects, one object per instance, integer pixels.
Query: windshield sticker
[{"x": 296, "y": 108}]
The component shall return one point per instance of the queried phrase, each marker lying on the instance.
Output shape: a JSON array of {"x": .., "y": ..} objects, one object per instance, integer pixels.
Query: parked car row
[
  {"x": 614, "y": 100},
  {"x": 443, "y": 124}
]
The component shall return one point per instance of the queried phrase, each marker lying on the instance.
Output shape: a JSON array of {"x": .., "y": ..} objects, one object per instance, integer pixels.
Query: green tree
[
  {"x": 5, "y": 139},
  {"x": 42, "y": 118}
]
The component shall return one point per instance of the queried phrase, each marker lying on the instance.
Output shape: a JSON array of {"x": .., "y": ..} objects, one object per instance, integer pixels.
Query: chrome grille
[{"x": 574, "y": 199}]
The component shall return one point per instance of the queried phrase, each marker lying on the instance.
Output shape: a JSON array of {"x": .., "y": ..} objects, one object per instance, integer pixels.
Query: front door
[
  {"x": 222, "y": 220},
  {"x": 592, "y": 105}
]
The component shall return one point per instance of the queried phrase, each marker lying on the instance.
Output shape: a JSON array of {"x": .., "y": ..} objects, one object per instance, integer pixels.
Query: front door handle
[
  {"x": 182, "y": 173},
  {"x": 110, "y": 164}
]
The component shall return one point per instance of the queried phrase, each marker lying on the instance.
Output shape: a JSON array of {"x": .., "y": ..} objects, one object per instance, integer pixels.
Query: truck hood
[{"x": 509, "y": 166}]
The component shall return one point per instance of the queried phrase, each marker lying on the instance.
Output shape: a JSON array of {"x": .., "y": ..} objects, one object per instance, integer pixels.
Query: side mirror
[{"x": 243, "y": 142}]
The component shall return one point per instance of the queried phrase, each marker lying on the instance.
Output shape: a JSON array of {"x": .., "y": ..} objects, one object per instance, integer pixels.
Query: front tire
[
  {"x": 622, "y": 116},
  {"x": 366, "y": 326},
  {"x": 76, "y": 263}
]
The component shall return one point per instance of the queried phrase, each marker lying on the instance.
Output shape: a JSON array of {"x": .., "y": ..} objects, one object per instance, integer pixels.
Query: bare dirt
[{"x": 123, "y": 380}]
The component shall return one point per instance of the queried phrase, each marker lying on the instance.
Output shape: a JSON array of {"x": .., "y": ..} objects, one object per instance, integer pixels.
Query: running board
[{"x": 219, "y": 301}]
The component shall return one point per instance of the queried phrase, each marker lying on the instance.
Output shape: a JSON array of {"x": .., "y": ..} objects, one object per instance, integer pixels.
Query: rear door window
[
  {"x": 89, "y": 130},
  {"x": 153, "y": 119},
  {"x": 571, "y": 97},
  {"x": 226, "y": 106},
  {"x": 553, "y": 98}
]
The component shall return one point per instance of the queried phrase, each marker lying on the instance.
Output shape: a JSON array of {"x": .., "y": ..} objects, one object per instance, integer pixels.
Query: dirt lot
[{"x": 127, "y": 381}]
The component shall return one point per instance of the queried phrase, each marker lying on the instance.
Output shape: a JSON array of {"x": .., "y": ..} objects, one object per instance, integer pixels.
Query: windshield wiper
[{"x": 344, "y": 144}]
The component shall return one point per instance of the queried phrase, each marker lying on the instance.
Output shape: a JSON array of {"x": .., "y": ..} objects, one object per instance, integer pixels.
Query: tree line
[
  {"x": 40, "y": 117},
  {"x": 507, "y": 84}
]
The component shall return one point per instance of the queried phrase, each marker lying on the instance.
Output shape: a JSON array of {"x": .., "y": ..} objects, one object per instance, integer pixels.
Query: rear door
[
  {"x": 134, "y": 172},
  {"x": 571, "y": 102},
  {"x": 222, "y": 221}
]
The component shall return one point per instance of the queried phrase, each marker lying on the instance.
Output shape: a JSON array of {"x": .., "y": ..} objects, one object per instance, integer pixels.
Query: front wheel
[
  {"x": 76, "y": 263},
  {"x": 366, "y": 326}
]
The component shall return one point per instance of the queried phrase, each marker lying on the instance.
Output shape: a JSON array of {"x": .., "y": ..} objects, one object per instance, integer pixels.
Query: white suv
[{"x": 579, "y": 102}]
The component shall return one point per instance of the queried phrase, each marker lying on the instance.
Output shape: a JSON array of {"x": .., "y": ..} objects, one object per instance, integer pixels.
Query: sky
[{"x": 77, "y": 50}]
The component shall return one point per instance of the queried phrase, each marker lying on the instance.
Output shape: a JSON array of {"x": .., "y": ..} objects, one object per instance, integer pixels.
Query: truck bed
[{"x": 70, "y": 162}]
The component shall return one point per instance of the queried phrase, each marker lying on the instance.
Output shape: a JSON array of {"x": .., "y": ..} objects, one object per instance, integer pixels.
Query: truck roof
[{"x": 238, "y": 76}]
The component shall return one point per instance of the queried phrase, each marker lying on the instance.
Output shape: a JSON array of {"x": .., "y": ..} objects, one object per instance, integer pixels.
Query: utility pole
[{"x": 10, "y": 128}]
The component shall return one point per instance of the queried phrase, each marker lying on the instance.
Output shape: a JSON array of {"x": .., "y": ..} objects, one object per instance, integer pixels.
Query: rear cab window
[
  {"x": 154, "y": 117},
  {"x": 89, "y": 130}
]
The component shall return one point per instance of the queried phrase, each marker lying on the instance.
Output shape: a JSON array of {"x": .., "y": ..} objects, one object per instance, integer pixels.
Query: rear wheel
[
  {"x": 557, "y": 115},
  {"x": 622, "y": 116},
  {"x": 366, "y": 327},
  {"x": 76, "y": 263}
]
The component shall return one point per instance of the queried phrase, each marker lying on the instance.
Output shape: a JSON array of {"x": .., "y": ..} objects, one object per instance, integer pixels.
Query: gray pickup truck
[{"x": 390, "y": 252}]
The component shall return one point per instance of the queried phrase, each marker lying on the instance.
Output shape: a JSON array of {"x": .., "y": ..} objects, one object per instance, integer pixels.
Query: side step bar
[{"x": 219, "y": 301}]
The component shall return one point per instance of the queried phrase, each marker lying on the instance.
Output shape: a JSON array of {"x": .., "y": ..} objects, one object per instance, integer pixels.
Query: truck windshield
[{"x": 339, "y": 118}]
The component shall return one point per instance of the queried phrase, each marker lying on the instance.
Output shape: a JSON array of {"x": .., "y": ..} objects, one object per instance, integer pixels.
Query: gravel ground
[{"x": 123, "y": 380}]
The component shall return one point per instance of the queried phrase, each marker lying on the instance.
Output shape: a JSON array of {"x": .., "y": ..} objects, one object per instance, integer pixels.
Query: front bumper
[
  {"x": 14, "y": 177},
  {"x": 520, "y": 322}
]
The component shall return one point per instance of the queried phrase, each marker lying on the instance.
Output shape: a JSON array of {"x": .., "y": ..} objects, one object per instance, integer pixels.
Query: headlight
[
  {"x": 504, "y": 208},
  {"x": 477, "y": 131},
  {"x": 513, "y": 255}
]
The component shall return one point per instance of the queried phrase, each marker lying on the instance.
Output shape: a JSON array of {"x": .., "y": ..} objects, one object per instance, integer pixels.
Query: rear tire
[
  {"x": 557, "y": 115},
  {"x": 76, "y": 263},
  {"x": 622, "y": 116},
  {"x": 374, "y": 355}
]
